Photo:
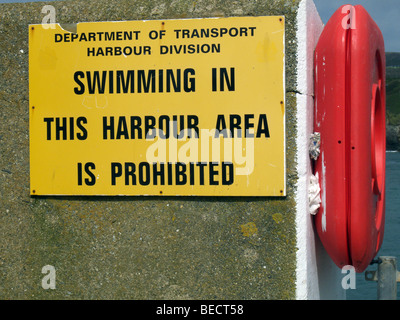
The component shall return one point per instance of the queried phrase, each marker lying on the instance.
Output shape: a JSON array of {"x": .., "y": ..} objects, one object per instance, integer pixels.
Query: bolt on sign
[{"x": 171, "y": 107}]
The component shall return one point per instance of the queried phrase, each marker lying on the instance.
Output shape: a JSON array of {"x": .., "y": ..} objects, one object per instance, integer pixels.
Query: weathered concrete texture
[{"x": 137, "y": 247}]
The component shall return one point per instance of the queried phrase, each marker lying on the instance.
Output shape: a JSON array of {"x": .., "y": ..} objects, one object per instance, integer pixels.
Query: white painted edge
[{"x": 309, "y": 28}]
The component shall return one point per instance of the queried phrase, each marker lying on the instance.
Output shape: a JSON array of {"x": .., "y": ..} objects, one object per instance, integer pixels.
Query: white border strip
[{"x": 309, "y": 27}]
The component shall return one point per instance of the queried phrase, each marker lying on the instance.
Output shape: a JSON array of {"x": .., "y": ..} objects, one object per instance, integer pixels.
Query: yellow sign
[{"x": 171, "y": 107}]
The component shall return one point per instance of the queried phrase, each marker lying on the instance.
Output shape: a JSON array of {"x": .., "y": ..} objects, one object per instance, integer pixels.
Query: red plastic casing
[{"x": 350, "y": 116}]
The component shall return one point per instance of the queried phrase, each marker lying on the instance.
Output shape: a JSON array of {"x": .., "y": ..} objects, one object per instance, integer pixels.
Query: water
[{"x": 366, "y": 290}]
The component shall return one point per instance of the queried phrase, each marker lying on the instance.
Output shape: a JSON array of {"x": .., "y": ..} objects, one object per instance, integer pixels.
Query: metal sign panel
[{"x": 171, "y": 107}]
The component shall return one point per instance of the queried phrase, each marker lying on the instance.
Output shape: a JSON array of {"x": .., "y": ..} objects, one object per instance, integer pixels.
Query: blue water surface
[{"x": 366, "y": 290}]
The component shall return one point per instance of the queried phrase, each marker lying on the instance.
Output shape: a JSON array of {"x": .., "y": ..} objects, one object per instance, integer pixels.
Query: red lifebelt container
[{"x": 350, "y": 117}]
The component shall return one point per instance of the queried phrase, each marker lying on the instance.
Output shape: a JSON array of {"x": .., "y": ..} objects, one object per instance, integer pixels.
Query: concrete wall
[{"x": 152, "y": 247}]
